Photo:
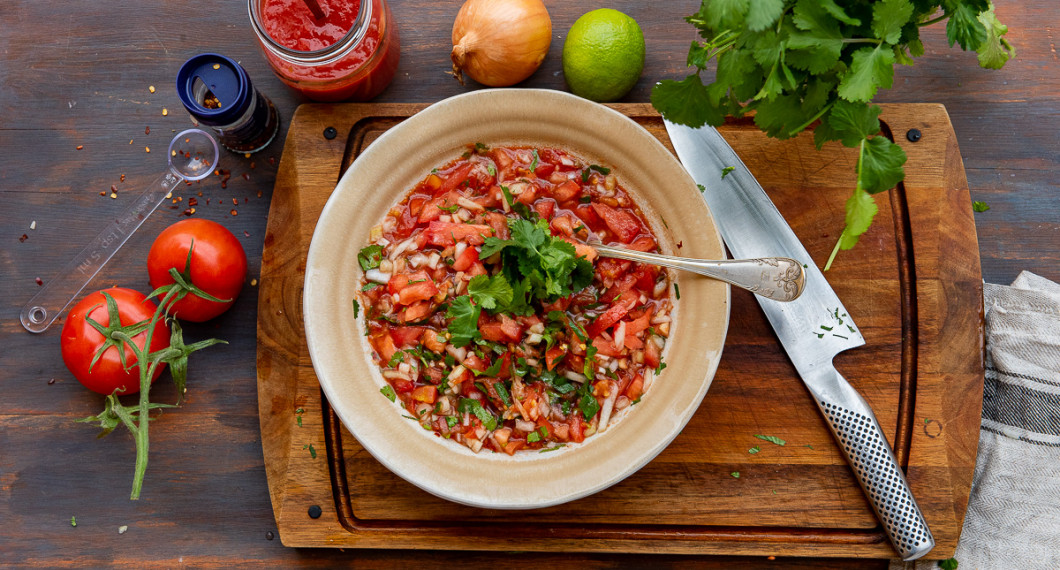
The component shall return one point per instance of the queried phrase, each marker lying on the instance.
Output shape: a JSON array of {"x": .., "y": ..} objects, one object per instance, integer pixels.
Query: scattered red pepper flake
[
  {"x": 103, "y": 193},
  {"x": 272, "y": 160},
  {"x": 113, "y": 188},
  {"x": 23, "y": 238},
  {"x": 39, "y": 281},
  {"x": 234, "y": 212},
  {"x": 121, "y": 178},
  {"x": 193, "y": 202},
  {"x": 246, "y": 233},
  {"x": 189, "y": 211},
  {"x": 252, "y": 164},
  {"x": 246, "y": 176},
  {"x": 80, "y": 146},
  {"x": 52, "y": 381},
  {"x": 259, "y": 193},
  {"x": 235, "y": 202},
  {"x": 147, "y": 130}
]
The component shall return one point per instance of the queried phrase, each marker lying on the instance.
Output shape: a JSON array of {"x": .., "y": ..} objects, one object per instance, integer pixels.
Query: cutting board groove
[{"x": 913, "y": 286}]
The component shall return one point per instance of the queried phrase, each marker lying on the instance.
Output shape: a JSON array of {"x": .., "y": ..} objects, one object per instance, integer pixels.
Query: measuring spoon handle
[{"x": 57, "y": 294}]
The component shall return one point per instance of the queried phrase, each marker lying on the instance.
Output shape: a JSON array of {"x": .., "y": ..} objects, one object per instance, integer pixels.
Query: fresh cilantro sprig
[
  {"x": 544, "y": 268},
  {"x": 796, "y": 62}
]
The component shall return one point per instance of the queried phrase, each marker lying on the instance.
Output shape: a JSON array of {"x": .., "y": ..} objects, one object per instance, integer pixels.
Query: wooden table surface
[{"x": 75, "y": 111}]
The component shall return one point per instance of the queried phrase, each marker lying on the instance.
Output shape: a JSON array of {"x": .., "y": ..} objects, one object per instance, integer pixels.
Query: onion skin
[{"x": 500, "y": 42}]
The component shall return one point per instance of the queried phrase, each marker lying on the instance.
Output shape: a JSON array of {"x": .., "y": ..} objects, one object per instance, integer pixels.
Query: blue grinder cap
[{"x": 225, "y": 79}]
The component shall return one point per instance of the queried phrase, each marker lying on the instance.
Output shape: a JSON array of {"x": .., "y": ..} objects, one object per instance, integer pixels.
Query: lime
[{"x": 603, "y": 55}]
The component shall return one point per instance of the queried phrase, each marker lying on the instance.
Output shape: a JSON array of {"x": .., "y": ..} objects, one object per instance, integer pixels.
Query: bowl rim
[{"x": 356, "y": 416}]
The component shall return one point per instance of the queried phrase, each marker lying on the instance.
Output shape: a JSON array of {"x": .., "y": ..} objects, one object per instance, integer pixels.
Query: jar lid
[{"x": 214, "y": 89}]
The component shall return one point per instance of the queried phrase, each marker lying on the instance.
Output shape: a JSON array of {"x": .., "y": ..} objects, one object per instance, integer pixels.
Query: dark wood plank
[{"x": 77, "y": 74}]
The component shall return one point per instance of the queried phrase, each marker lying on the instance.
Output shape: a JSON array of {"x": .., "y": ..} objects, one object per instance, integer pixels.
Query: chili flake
[{"x": 80, "y": 146}]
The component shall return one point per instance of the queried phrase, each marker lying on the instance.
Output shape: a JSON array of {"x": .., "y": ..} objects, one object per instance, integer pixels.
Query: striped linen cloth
[{"x": 1013, "y": 518}]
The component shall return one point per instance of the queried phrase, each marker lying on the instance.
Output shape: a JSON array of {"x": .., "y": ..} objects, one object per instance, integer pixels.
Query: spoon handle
[{"x": 777, "y": 278}]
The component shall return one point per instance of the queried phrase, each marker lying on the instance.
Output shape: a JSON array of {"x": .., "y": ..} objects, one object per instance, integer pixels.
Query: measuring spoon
[{"x": 192, "y": 156}]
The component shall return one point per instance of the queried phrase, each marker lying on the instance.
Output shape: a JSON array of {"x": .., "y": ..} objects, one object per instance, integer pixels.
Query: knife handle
[{"x": 866, "y": 449}]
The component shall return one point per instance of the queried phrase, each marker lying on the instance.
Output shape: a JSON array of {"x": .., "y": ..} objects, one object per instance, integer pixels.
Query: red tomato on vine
[
  {"x": 216, "y": 266},
  {"x": 116, "y": 367}
]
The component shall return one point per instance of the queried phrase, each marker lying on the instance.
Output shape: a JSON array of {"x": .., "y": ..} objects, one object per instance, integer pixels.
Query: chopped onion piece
[
  {"x": 574, "y": 376},
  {"x": 523, "y": 425},
  {"x": 620, "y": 335},
  {"x": 474, "y": 207},
  {"x": 606, "y": 409},
  {"x": 377, "y": 276},
  {"x": 458, "y": 353}
]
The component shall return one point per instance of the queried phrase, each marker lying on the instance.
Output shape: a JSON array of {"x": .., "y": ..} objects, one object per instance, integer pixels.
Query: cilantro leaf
[
  {"x": 854, "y": 122},
  {"x": 963, "y": 27},
  {"x": 995, "y": 49},
  {"x": 370, "y": 257},
  {"x": 771, "y": 439},
  {"x": 686, "y": 102},
  {"x": 880, "y": 165},
  {"x": 544, "y": 268},
  {"x": 588, "y": 406},
  {"x": 474, "y": 407},
  {"x": 888, "y": 18},
  {"x": 838, "y": 13},
  {"x": 870, "y": 69},
  {"x": 978, "y": 206},
  {"x": 763, "y": 14},
  {"x": 463, "y": 328},
  {"x": 490, "y": 293}
]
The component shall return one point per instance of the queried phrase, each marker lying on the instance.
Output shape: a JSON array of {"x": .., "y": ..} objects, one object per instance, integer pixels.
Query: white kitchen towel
[{"x": 1013, "y": 518}]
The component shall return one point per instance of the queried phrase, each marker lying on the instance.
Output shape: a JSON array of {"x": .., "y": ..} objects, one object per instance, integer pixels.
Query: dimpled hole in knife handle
[{"x": 865, "y": 446}]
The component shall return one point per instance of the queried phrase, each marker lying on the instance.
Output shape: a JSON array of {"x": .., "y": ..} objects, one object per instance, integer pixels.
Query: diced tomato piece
[
  {"x": 577, "y": 431},
  {"x": 544, "y": 170},
  {"x": 623, "y": 224},
  {"x": 501, "y": 158},
  {"x": 575, "y": 362},
  {"x": 443, "y": 233},
  {"x": 430, "y": 340},
  {"x": 416, "y": 205},
  {"x": 402, "y": 386},
  {"x": 612, "y": 268},
  {"x": 432, "y": 210},
  {"x": 606, "y": 347},
  {"x": 514, "y": 445},
  {"x": 587, "y": 215},
  {"x": 567, "y": 191},
  {"x": 426, "y": 394},
  {"x": 635, "y": 388},
  {"x": 476, "y": 268},
  {"x": 404, "y": 336},
  {"x": 638, "y": 324},
  {"x": 652, "y": 354},
  {"x": 503, "y": 329},
  {"x": 420, "y": 239},
  {"x": 406, "y": 222},
  {"x": 416, "y": 292},
  {"x": 465, "y": 259},
  {"x": 645, "y": 276},
  {"x": 417, "y": 312},
  {"x": 499, "y": 223},
  {"x": 528, "y": 195},
  {"x": 642, "y": 243},
  {"x": 632, "y": 342},
  {"x": 399, "y": 281},
  {"x": 473, "y": 362},
  {"x": 492, "y": 331},
  {"x": 384, "y": 345},
  {"x": 562, "y": 225},
  {"x": 611, "y": 315},
  {"x": 554, "y": 356},
  {"x": 545, "y": 207},
  {"x": 455, "y": 178},
  {"x": 621, "y": 286}
]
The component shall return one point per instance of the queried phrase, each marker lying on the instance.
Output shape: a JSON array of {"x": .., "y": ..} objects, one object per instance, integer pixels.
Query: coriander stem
[
  {"x": 933, "y": 20},
  {"x": 862, "y": 41},
  {"x": 799, "y": 129}
]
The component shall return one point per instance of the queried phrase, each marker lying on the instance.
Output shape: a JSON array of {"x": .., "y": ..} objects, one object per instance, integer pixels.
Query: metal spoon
[{"x": 777, "y": 278}]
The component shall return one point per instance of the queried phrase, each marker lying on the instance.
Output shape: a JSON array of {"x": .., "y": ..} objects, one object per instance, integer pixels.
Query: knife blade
[{"x": 813, "y": 329}]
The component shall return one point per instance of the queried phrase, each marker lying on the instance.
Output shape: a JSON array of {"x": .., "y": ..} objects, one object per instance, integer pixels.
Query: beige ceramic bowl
[{"x": 385, "y": 172}]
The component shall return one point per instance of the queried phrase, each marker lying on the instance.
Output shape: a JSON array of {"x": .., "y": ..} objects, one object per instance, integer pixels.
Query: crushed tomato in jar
[{"x": 492, "y": 321}]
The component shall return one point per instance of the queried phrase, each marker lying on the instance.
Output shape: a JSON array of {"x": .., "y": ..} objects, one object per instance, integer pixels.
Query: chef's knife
[{"x": 813, "y": 329}]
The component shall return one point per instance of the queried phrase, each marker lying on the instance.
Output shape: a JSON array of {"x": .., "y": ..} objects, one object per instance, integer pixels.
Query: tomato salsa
[
  {"x": 493, "y": 322},
  {"x": 364, "y": 66}
]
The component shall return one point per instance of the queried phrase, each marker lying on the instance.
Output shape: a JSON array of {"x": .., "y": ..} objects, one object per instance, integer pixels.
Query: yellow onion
[{"x": 500, "y": 42}]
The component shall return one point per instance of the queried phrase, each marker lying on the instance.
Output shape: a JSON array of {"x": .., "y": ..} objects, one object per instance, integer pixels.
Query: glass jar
[{"x": 350, "y": 54}]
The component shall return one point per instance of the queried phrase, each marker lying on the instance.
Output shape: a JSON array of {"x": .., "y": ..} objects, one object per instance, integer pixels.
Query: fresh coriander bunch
[{"x": 794, "y": 62}]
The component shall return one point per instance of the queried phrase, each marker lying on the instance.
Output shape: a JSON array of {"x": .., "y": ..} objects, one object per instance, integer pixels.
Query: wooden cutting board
[{"x": 913, "y": 285}]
